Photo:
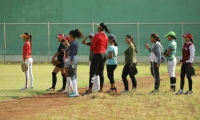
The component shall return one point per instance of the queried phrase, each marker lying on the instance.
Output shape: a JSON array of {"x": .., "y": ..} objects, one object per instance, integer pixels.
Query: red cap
[
  {"x": 188, "y": 35},
  {"x": 66, "y": 38},
  {"x": 61, "y": 36}
]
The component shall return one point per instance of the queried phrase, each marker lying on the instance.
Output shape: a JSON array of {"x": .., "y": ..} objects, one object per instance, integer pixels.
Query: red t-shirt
[
  {"x": 99, "y": 43},
  {"x": 27, "y": 50}
]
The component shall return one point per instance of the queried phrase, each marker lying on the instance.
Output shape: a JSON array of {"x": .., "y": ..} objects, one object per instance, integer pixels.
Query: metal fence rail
[{"x": 93, "y": 24}]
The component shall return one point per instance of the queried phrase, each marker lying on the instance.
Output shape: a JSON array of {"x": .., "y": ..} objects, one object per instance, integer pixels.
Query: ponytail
[
  {"x": 76, "y": 33},
  {"x": 154, "y": 35},
  {"x": 191, "y": 40},
  {"x": 104, "y": 27},
  {"x": 115, "y": 43},
  {"x": 131, "y": 37},
  {"x": 30, "y": 38}
]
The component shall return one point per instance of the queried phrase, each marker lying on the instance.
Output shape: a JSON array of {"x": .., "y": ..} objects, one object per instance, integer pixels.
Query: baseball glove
[
  {"x": 71, "y": 70},
  {"x": 190, "y": 70},
  {"x": 24, "y": 67},
  {"x": 55, "y": 62}
]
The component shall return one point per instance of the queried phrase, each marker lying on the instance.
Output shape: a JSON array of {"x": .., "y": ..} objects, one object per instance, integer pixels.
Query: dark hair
[
  {"x": 115, "y": 43},
  {"x": 191, "y": 40},
  {"x": 104, "y": 27},
  {"x": 154, "y": 35},
  {"x": 76, "y": 33},
  {"x": 131, "y": 37},
  {"x": 30, "y": 38},
  {"x": 173, "y": 37}
]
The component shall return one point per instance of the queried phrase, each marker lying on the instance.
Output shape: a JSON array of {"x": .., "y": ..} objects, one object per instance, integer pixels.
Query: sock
[
  {"x": 54, "y": 80},
  {"x": 171, "y": 82},
  {"x": 174, "y": 84},
  {"x": 74, "y": 84},
  {"x": 64, "y": 81},
  {"x": 69, "y": 82}
]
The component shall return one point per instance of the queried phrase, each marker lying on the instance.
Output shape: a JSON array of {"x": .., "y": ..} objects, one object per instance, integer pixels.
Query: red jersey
[
  {"x": 27, "y": 50},
  {"x": 99, "y": 43}
]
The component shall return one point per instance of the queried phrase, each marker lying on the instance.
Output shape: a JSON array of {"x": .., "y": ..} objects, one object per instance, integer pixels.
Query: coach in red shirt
[
  {"x": 187, "y": 58},
  {"x": 98, "y": 47}
]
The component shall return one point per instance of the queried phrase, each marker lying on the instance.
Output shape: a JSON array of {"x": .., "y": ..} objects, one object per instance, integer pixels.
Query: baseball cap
[
  {"x": 61, "y": 36},
  {"x": 111, "y": 36},
  {"x": 188, "y": 35},
  {"x": 66, "y": 38},
  {"x": 171, "y": 33}
]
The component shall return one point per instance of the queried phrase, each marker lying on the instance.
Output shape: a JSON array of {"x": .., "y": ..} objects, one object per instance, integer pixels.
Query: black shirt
[{"x": 61, "y": 55}]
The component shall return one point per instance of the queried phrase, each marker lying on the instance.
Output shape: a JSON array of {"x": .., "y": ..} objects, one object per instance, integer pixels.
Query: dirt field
[{"x": 21, "y": 108}]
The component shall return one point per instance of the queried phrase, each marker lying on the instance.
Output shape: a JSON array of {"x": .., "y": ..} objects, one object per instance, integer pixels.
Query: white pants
[
  {"x": 28, "y": 73},
  {"x": 171, "y": 66},
  {"x": 96, "y": 83}
]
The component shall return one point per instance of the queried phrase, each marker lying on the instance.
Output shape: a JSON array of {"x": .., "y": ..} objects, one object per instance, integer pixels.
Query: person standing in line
[
  {"x": 111, "y": 55},
  {"x": 60, "y": 67},
  {"x": 187, "y": 58},
  {"x": 171, "y": 59},
  {"x": 98, "y": 47},
  {"x": 73, "y": 59},
  {"x": 130, "y": 61},
  {"x": 96, "y": 84},
  {"x": 155, "y": 58},
  {"x": 27, "y": 59}
]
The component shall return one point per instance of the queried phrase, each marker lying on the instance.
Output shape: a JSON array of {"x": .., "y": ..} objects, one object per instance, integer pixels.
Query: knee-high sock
[
  {"x": 54, "y": 80},
  {"x": 174, "y": 82},
  {"x": 171, "y": 82},
  {"x": 74, "y": 84},
  {"x": 64, "y": 81},
  {"x": 69, "y": 84}
]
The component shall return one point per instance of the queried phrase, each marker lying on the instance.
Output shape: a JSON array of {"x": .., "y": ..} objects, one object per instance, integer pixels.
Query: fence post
[
  {"x": 48, "y": 25},
  {"x": 182, "y": 27},
  {"x": 93, "y": 27},
  {"x": 4, "y": 30},
  {"x": 138, "y": 29}
]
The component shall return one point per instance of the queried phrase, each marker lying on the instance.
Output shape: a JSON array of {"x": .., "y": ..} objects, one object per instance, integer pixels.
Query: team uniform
[
  {"x": 171, "y": 63},
  {"x": 130, "y": 58},
  {"x": 96, "y": 83},
  {"x": 29, "y": 61},
  {"x": 112, "y": 64},
  {"x": 187, "y": 58}
]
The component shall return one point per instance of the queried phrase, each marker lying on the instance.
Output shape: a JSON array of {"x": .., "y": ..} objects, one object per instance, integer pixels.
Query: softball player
[
  {"x": 130, "y": 60},
  {"x": 155, "y": 59},
  {"x": 187, "y": 58},
  {"x": 98, "y": 47},
  {"x": 60, "y": 67},
  {"x": 27, "y": 58},
  {"x": 171, "y": 59},
  {"x": 72, "y": 58},
  {"x": 68, "y": 78},
  {"x": 111, "y": 55},
  {"x": 96, "y": 84}
]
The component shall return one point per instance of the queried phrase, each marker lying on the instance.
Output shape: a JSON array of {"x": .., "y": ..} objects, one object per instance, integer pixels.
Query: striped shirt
[{"x": 172, "y": 45}]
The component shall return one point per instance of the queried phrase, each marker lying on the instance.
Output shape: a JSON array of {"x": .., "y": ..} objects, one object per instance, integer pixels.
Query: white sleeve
[{"x": 192, "y": 50}]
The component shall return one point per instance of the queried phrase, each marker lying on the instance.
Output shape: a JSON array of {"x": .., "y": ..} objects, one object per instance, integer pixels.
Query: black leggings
[
  {"x": 183, "y": 72},
  {"x": 97, "y": 66},
  {"x": 156, "y": 75},
  {"x": 110, "y": 73},
  {"x": 125, "y": 72}
]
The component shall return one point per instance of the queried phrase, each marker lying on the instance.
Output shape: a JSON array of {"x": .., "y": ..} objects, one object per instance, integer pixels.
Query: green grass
[{"x": 12, "y": 79}]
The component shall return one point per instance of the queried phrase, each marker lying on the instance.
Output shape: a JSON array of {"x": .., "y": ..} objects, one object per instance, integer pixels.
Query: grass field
[{"x": 130, "y": 106}]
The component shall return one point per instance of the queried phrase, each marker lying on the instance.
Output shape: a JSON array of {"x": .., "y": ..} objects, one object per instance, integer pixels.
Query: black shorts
[{"x": 61, "y": 65}]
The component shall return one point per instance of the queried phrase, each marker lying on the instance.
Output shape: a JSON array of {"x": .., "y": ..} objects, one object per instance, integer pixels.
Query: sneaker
[
  {"x": 154, "y": 91},
  {"x": 51, "y": 89},
  {"x": 100, "y": 91},
  {"x": 179, "y": 92},
  {"x": 110, "y": 90},
  {"x": 70, "y": 93},
  {"x": 188, "y": 92},
  {"x": 61, "y": 90},
  {"x": 115, "y": 89},
  {"x": 24, "y": 88},
  {"x": 87, "y": 92},
  {"x": 73, "y": 94},
  {"x": 124, "y": 91},
  {"x": 66, "y": 92}
]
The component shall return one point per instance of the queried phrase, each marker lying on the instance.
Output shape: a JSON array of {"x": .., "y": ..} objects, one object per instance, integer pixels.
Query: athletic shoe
[
  {"x": 100, "y": 91},
  {"x": 66, "y": 92},
  {"x": 124, "y": 91},
  {"x": 115, "y": 89},
  {"x": 154, "y": 91},
  {"x": 61, "y": 90},
  {"x": 73, "y": 94},
  {"x": 188, "y": 92},
  {"x": 70, "y": 93},
  {"x": 87, "y": 92},
  {"x": 179, "y": 92},
  {"x": 51, "y": 89},
  {"x": 110, "y": 90},
  {"x": 24, "y": 88}
]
